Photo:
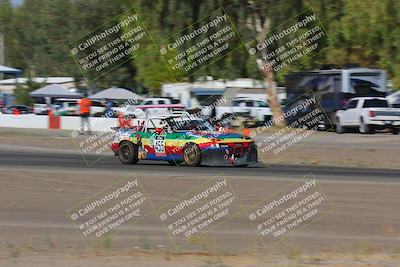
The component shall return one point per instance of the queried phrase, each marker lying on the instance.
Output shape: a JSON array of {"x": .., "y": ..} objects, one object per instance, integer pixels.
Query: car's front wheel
[
  {"x": 339, "y": 128},
  {"x": 128, "y": 153},
  {"x": 191, "y": 155}
]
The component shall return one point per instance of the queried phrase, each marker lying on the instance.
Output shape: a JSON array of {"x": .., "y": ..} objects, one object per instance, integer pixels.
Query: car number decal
[{"x": 159, "y": 145}]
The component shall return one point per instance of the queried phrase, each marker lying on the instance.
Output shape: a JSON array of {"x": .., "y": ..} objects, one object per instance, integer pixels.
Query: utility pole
[{"x": 1, "y": 53}]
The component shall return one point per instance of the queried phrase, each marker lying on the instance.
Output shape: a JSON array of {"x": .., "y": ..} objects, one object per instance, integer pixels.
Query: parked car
[
  {"x": 149, "y": 107},
  {"x": 368, "y": 114},
  {"x": 70, "y": 107},
  {"x": 65, "y": 107},
  {"x": 250, "y": 108},
  {"x": 22, "y": 109},
  {"x": 40, "y": 109}
]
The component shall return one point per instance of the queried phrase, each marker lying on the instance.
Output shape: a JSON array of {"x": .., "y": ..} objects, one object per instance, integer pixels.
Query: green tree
[
  {"x": 22, "y": 92},
  {"x": 6, "y": 17}
]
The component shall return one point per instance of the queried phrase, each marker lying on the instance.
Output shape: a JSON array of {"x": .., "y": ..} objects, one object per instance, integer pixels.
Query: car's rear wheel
[
  {"x": 395, "y": 131},
  {"x": 128, "y": 153},
  {"x": 191, "y": 155},
  {"x": 366, "y": 128}
]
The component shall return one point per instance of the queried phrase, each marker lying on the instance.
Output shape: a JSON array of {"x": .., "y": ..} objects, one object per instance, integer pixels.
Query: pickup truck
[
  {"x": 368, "y": 114},
  {"x": 150, "y": 107},
  {"x": 257, "y": 109}
]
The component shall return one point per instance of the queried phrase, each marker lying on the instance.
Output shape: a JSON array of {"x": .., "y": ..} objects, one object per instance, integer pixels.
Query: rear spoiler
[{"x": 176, "y": 106}]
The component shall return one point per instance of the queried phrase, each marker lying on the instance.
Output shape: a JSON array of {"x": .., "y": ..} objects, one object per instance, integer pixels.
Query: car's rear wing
[{"x": 169, "y": 106}]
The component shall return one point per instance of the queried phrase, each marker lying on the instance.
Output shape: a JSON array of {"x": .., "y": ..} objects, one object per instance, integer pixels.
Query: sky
[{"x": 16, "y": 2}]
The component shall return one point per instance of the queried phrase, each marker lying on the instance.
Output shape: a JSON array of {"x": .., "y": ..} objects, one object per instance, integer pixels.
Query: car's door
[
  {"x": 262, "y": 108},
  {"x": 157, "y": 140},
  {"x": 236, "y": 105},
  {"x": 349, "y": 117}
]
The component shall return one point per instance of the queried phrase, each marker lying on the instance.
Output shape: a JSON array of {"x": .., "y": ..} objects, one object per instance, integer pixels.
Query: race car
[{"x": 182, "y": 140}]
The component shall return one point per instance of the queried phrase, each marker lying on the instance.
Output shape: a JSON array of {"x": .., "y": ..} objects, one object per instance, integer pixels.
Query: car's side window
[
  {"x": 352, "y": 104},
  {"x": 262, "y": 104},
  {"x": 152, "y": 124}
]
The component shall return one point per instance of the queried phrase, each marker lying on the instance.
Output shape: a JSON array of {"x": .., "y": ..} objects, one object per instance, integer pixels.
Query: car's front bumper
[{"x": 229, "y": 156}]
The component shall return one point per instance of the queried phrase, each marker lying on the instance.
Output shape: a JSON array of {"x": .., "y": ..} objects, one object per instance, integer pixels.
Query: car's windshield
[{"x": 187, "y": 124}]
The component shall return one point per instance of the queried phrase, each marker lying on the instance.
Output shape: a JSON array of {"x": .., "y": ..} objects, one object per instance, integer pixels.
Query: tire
[
  {"x": 191, "y": 155},
  {"x": 128, "y": 153},
  {"x": 339, "y": 128},
  {"x": 395, "y": 131},
  {"x": 365, "y": 128}
]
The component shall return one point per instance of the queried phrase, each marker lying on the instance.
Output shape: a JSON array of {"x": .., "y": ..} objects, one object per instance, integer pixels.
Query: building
[
  {"x": 208, "y": 90},
  {"x": 9, "y": 86}
]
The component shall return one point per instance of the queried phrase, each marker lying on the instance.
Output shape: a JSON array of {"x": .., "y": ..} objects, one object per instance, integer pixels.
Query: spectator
[
  {"x": 84, "y": 110},
  {"x": 108, "y": 109}
]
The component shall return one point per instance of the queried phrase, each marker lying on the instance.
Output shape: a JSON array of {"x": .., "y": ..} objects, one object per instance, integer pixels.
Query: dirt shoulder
[{"x": 152, "y": 259}]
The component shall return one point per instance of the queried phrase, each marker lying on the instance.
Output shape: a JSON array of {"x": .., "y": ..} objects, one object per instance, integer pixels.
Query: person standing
[
  {"x": 84, "y": 110},
  {"x": 108, "y": 113}
]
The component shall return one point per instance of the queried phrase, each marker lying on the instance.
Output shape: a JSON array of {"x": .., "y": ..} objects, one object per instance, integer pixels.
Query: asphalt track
[
  {"x": 64, "y": 161},
  {"x": 38, "y": 186}
]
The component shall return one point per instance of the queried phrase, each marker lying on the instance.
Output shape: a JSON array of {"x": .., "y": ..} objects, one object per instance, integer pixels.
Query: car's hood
[{"x": 218, "y": 135}]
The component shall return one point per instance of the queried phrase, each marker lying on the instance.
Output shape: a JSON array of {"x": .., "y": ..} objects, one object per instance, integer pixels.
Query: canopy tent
[
  {"x": 54, "y": 90},
  {"x": 116, "y": 94},
  {"x": 6, "y": 95},
  {"x": 8, "y": 70}
]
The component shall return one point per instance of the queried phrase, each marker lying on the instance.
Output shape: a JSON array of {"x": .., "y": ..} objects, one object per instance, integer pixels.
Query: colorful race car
[{"x": 182, "y": 139}]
